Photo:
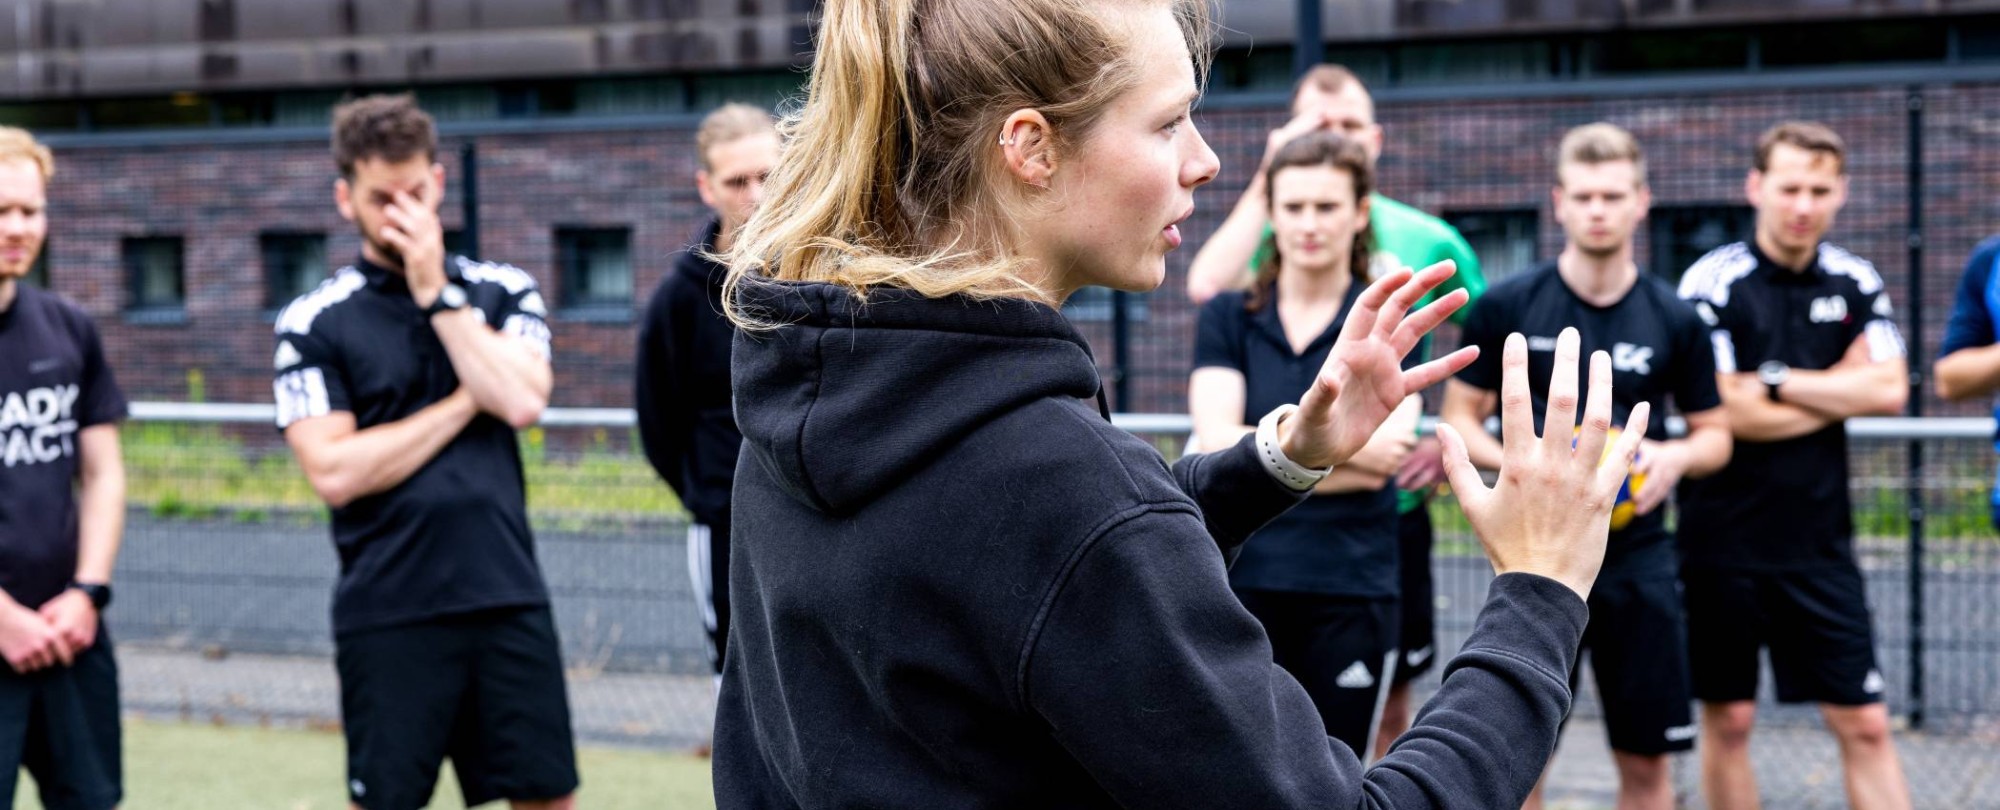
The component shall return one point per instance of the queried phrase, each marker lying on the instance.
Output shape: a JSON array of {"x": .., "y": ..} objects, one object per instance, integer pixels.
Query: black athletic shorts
[
  {"x": 61, "y": 723},
  {"x": 1417, "y": 631},
  {"x": 1342, "y": 649},
  {"x": 1637, "y": 640},
  {"x": 1815, "y": 623},
  {"x": 484, "y": 689}
]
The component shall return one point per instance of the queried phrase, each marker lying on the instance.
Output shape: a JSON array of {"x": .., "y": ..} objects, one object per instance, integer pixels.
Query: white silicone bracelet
[{"x": 1288, "y": 472}]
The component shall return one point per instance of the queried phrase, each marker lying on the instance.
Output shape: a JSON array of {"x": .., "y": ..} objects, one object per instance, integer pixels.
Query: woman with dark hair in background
[
  {"x": 1322, "y": 578},
  {"x": 956, "y": 583}
]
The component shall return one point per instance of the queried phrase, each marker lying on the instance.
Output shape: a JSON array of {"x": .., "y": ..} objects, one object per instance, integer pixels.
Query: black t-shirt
[
  {"x": 53, "y": 384},
  {"x": 1342, "y": 544},
  {"x": 1782, "y": 505},
  {"x": 1659, "y": 353},
  {"x": 454, "y": 536}
]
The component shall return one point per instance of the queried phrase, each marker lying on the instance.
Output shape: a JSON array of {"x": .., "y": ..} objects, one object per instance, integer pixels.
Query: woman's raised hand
[
  {"x": 1550, "y": 511},
  {"x": 1363, "y": 380}
]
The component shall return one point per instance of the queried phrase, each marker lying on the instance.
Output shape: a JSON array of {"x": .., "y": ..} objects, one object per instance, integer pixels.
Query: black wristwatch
[
  {"x": 450, "y": 298},
  {"x": 99, "y": 592},
  {"x": 1772, "y": 374}
]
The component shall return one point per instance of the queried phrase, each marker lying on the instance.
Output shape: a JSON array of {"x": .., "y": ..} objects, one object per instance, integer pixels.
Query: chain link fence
[{"x": 227, "y": 571}]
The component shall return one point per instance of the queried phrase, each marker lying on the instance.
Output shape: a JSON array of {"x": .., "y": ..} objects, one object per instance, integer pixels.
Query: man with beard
[
  {"x": 1659, "y": 350},
  {"x": 400, "y": 383},
  {"x": 62, "y": 511},
  {"x": 685, "y": 419},
  {"x": 1805, "y": 339}
]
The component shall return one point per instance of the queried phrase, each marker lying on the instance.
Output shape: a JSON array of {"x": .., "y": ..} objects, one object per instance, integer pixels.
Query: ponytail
[{"x": 890, "y": 175}]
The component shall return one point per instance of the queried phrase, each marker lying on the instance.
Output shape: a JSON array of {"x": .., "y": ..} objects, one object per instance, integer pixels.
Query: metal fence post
[
  {"x": 1309, "y": 44},
  {"x": 468, "y": 168},
  {"x": 1121, "y": 348},
  {"x": 1915, "y": 406}
]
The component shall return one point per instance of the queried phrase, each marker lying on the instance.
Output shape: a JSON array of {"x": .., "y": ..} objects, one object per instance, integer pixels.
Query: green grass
[
  {"x": 184, "y": 470},
  {"x": 173, "y": 766}
]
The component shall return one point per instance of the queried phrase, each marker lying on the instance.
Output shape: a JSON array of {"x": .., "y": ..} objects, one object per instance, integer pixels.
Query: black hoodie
[
  {"x": 957, "y": 585},
  {"x": 682, "y": 391}
]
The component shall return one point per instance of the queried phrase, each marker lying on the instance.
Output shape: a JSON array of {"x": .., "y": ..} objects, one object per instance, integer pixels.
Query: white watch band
[{"x": 1297, "y": 477}]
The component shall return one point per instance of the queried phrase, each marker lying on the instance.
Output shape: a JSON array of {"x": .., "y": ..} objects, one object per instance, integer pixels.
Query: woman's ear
[{"x": 1027, "y": 148}]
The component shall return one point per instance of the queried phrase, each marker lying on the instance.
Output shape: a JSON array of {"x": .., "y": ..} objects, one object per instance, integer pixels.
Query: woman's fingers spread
[
  {"x": 1465, "y": 481},
  {"x": 1559, "y": 422},
  {"x": 1410, "y": 293},
  {"x": 1420, "y": 323},
  {"x": 1368, "y": 308},
  {"x": 1596, "y": 410},
  {"x": 1436, "y": 371},
  {"x": 1517, "y": 417},
  {"x": 1611, "y": 474}
]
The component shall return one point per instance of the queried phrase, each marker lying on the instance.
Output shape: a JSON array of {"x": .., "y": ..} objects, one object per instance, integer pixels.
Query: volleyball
[{"x": 1624, "y": 508}]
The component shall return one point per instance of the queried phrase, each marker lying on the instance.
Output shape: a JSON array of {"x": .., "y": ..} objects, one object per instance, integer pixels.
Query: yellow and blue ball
[{"x": 1624, "y": 508}]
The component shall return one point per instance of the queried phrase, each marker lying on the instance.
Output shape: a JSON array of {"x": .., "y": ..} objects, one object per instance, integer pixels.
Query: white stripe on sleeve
[
  {"x": 1725, "y": 351},
  {"x": 300, "y": 394},
  {"x": 1884, "y": 341}
]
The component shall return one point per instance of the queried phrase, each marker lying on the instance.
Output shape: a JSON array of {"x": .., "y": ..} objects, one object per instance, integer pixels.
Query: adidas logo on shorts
[
  {"x": 1873, "y": 683},
  {"x": 1681, "y": 733},
  {"x": 1355, "y": 676},
  {"x": 1415, "y": 657}
]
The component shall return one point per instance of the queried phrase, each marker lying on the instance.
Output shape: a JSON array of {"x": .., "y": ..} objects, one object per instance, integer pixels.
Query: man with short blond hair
[
  {"x": 62, "y": 512},
  {"x": 1805, "y": 339},
  {"x": 1659, "y": 351},
  {"x": 686, "y": 424}
]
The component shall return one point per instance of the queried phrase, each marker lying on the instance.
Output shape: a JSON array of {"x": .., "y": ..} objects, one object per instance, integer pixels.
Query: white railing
[{"x": 1889, "y": 427}]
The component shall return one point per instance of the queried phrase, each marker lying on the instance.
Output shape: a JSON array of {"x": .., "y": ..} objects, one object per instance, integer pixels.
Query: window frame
[
  {"x": 141, "y": 312},
  {"x": 572, "y": 268}
]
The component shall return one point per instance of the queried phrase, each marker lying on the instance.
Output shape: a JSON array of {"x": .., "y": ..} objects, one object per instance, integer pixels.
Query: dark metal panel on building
[
  {"x": 1265, "y": 21},
  {"x": 69, "y": 48}
]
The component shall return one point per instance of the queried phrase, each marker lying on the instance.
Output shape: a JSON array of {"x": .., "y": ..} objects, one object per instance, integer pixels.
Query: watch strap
[
  {"x": 439, "y": 304},
  {"x": 99, "y": 593},
  {"x": 1293, "y": 475}
]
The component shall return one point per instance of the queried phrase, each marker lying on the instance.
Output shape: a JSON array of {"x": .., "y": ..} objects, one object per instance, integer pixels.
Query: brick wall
[{"x": 1455, "y": 156}]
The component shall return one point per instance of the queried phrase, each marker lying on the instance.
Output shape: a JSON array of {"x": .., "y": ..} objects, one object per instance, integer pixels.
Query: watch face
[
  {"x": 1773, "y": 372},
  {"x": 453, "y": 296}
]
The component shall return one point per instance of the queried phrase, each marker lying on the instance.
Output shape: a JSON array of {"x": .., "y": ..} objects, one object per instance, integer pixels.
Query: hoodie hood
[{"x": 850, "y": 398}]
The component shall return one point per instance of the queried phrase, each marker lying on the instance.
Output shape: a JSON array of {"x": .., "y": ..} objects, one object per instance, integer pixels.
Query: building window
[
  {"x": 38, "y": 275},
  {"x": 1097, "y": 304},
  {"x": 155, "y": 279},
  {"x": 294, "y": 263},
  {"x": 1474, "y": 62},
  {"x": 1506, "y": 242},
  {"x": 1682, "y": 234},
  {"x": 596, "y": 271}
]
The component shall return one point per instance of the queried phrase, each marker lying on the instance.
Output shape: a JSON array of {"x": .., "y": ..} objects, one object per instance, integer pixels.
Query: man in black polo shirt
[
  {"x": 1659, "y": 351},
  {"x": 62, "y": 510},
  {"x": 685, "y": 418},
  {"x": 400, "y": 383},
  {"x": 1804, "y": 339}
]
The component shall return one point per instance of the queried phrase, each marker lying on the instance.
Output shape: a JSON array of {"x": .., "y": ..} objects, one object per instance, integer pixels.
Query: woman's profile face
[
  {"x": 1314, "y": 216},
  {"x": 1120, "y": 195}
]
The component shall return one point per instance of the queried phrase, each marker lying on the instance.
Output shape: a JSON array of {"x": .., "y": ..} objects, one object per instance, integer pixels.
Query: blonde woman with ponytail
[{"x": 955, "y": 583}]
